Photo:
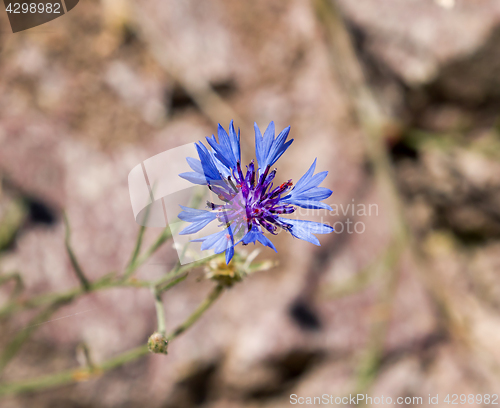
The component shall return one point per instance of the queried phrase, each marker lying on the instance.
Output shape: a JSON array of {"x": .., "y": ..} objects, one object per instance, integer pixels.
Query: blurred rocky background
[{"x": 398, "y": 99}]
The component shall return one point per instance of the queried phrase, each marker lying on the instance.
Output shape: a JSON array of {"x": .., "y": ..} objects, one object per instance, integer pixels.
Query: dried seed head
[
  {"x": 219, "y": 271},
  {"x": 158, "y": 343}
]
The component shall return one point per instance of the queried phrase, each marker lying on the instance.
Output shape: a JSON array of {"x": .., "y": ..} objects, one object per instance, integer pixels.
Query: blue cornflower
[{"x": 249, "y": 203}]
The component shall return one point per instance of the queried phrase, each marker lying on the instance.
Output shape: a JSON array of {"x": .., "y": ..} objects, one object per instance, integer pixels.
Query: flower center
[{"x": 250, "y": 200}]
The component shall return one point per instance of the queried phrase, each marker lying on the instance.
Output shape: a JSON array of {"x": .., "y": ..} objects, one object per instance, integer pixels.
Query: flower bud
[{"x": 157, "y": 343}]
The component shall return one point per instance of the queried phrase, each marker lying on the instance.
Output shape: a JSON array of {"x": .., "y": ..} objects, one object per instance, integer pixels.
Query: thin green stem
[
  {"x": 135, "y": 254},
  {"x": 212, "y": 297},
  {"x": 138, "y": 244},
  {"x": 165, "y": 235},
  {"x": 72, "y": 376},
  {"x": 160, "y": 312},
  {"x": 47, "y": 299},
  {"x": 178, "y": 270},
  {"x": 17, "y": 342},
  {"x": 19, "y": 305},
  {"x": 74, "y": 262},
  {"x": 106, "y": 282},
  {"x": 52, "y": 302},
  {"x": 172, "y": 283}
]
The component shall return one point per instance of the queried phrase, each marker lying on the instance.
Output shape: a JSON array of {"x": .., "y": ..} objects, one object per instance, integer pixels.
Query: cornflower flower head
[{"x": 250, "y": 204}]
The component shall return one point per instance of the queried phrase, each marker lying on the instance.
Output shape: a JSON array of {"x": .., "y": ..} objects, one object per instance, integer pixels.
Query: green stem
[
  {"x": 166, "y": 234},
  {"x": 160, "y": 312},
  {"x": 135, "y": 254},
  {"x": 74, "y": 262},
  {"x": 138, "y": 244},
  {"x": 54, "y": 301},
  {"x": 139, "y": 260},
  {"x": 72, "y": 376},
  {"x": 172, "y": 283},
  {"x": 178, "y": 270},
  {"x": 212, "y": 297},
  {"x": 101, "y": 284},
  {"x": 17, "y": 342},
  {"x": 47, "y": 299}
]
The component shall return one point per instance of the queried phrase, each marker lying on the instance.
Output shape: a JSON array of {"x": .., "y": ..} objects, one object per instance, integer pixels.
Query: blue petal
[
  {"x": 235, "y": 141},
  {"x": 268, "y": 138},
  {"x": 195, "y": 178},
  {"x": 268, "y": 149},
  {"x": 310, "y": 204},
  {"x": 229, "y": 254},
  {"x": 213, "y": 241},
  {"x": 225, "y": 143},
  {"x": 259, "y": 144},
  {"x": 195, "y": 164},
  {"x": 306, "y": 193},
  {"x": 305, "y": 229},
  {"x": 221, "y": 167},
  {"x": 198, "y": 218},
  {"x": 227, "y": 150},
  {"x": 304, "y": 180},
  {"x": 220, "y": 152},
  {"x": 220, "y": 242},
  {"x": 192, "y": 214},
  {"x": 256, "y": 235},
  {"x": 210, "y": 241},
  {"x": 195, "y": 227},
  {"x": 204, "y": 175},
  {"x": 318, "y": 193},
  {"x": 209, "y": 168},
  {"x": 279, "y": 146},
  {"x": 310, "y": 182}
]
